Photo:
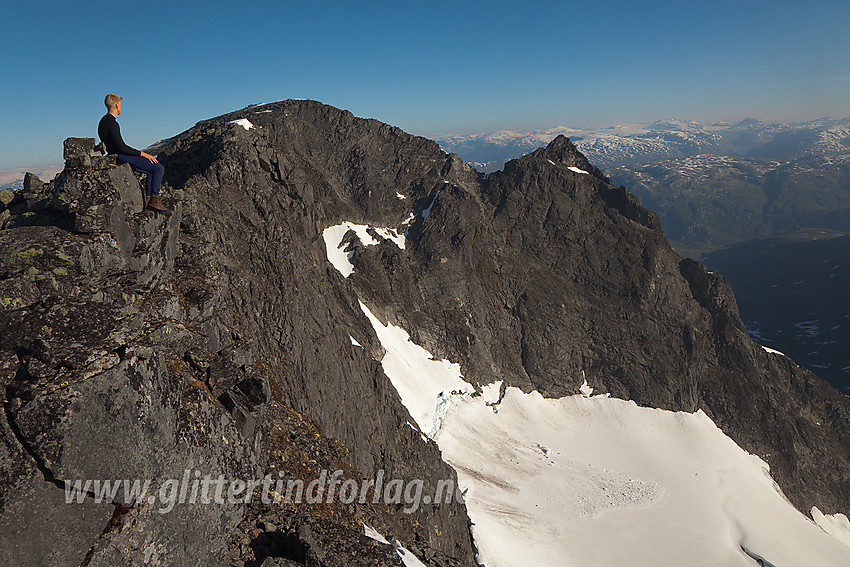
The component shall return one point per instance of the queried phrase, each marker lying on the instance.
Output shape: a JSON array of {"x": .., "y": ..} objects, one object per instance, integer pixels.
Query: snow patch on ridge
[
  {"x": 244, "y": 122},
  {"x": 594, "y": 480},
  {"x": 341, "y": 258},
  {"x": 371, "y": 532},
  {"x": 427, "y": 212},
  {"x": 570, "y": 167},
  {"x": 424, "y": 214},
  {"x": 407, "y": 557}
]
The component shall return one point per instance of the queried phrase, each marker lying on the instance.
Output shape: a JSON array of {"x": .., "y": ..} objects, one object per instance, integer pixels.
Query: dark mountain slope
[
  {"x": 256, "y": 204},
  {"x": 543, "y": 277},
  {"x": 794, "y": 295},
  {"x": 228, "y": 317}
]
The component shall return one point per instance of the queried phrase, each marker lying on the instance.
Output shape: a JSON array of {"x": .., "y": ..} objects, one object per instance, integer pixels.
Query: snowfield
[
  {"x": 618, "y": 484},
  {"x": 426, "y": 386},
  {"x": 339, "y": 257},
  {"x": 594, "y": 480}
]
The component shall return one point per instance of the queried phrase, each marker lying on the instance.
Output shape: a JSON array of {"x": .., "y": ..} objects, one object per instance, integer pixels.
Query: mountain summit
[{"x": 331, "y": 293}]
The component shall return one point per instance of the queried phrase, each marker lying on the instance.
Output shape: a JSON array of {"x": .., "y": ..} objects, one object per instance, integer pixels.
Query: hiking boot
[
  {"x": 147, "y": 200},
  {"x": 155, "y": 203}
]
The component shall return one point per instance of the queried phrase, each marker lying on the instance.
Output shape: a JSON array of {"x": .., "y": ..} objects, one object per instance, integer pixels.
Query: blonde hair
[{"x": 111, "y": 100}]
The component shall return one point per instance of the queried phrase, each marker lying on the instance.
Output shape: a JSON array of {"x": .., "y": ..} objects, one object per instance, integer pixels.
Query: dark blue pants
[{"x": 155, "y": 171}]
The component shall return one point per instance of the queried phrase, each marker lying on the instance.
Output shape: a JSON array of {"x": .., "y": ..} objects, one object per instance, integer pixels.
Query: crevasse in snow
[{"x": 427, "y": 386}]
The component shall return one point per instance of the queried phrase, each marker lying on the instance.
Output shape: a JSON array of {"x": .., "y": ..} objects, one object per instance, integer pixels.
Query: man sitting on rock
[{"x": 110, "y": 134}]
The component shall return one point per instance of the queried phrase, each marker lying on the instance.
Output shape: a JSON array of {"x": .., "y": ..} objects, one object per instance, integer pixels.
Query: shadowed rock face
[{"x": 218, "y": 337}]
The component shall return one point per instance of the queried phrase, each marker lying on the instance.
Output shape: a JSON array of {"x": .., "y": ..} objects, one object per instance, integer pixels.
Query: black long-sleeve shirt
[{"x": 110, "y": 134}]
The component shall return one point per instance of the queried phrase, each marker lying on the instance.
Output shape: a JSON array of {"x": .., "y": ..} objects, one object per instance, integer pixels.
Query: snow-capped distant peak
[{"x": 674, "y": 124}]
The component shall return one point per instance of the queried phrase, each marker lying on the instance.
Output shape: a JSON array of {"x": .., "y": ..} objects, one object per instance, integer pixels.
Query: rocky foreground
[{"x": 219, "y": 338}]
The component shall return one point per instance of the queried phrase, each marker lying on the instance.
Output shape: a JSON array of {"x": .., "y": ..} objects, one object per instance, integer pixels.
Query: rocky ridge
[
  {"x": 129, "y": 360},
  {"x": 223, "y": 338}
]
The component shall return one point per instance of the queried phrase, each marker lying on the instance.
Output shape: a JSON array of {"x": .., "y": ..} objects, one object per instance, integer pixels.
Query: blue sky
[{"x": 435, "y": 67}]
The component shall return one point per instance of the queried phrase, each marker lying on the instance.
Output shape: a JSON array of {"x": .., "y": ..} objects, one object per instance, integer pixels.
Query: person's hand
[{"x": 149, "y": 157}]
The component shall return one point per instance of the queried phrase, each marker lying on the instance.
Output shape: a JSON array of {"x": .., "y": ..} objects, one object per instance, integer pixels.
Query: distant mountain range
[
  {"x": 14, "y": 178},
  {"x": 713, "y": 185},
  {"x": 621, "y": 145}
]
